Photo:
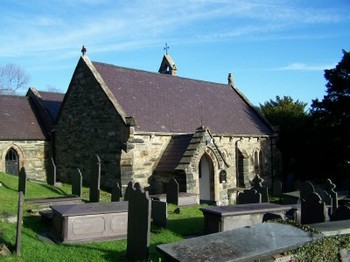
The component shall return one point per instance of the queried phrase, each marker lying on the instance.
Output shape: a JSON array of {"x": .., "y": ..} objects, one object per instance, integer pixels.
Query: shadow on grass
[
  {"x": 186, "y": 226},
  {"x": 54, "y": 189},
  {"x": 7, "y": 187}
]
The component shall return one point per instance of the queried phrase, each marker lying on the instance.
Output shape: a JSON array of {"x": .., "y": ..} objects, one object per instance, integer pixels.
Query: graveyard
[{"x": 183, "y": 230}]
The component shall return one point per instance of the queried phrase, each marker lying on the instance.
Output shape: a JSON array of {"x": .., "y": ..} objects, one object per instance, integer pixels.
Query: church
[{"x": 148, "y": 127}]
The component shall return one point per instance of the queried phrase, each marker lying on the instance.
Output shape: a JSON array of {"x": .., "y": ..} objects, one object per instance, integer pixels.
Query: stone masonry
[{"x": 32, "y": 154}]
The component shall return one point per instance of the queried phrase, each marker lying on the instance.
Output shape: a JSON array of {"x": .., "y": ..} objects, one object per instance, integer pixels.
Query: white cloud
[{"x": 304, "y": 67}]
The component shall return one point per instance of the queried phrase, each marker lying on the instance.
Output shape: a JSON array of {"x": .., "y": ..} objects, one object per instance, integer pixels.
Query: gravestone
[
  {"x": 95, "y": 179},
  {"x": 172, "y": 192},
  {"x": 330, "y": 189},
  {"x": 19, "y": 222},
  {"x": 127, "y": 191},
  {"x": 257, "y": 184},
  {"x": 326, "y": 198},
  {"x": 341, "y": 213},
  {"x": 277, "y": 187},
  {"x": 313, "y": 209},
  {"x": 22, "y": 181},
  {"x": 139, "y": 224},
  {"x": 248, "y": 196},
  {"x": 77, "y": 183},
  {"x": 159, "y": 213},
  {"x": 116, "y": 193},
  {"x": 51, "y": 175}
]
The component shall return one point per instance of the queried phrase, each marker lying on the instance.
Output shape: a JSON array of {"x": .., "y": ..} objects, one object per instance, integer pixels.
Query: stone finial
[
  {"x": 83, "y": 50},
  {"x": 230, "y": 79}
]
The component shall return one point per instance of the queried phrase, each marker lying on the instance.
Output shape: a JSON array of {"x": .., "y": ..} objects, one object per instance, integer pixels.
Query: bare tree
[{"x": 12, "y": 78}]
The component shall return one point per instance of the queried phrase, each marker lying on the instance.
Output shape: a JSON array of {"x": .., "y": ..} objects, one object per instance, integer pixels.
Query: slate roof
[
  {"x": 173, "y": 153},
  {"x": 166, "y": 103},
  {"x": 52, "y": 103},
  {"x": 18, "y": 120}
]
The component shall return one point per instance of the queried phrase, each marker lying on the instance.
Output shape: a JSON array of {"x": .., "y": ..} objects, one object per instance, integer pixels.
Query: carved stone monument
[
  {"x": 22, "y": 181},
  {"x": 139, "y": 224},
  {"x": 313, "y": 209},
  {"x": 116, "y": 193},
  {"x": 51, "y": 175},
  {"x": 172, "y": 192},
  {"x": 95, "y": 179},
  {"x": 77, "y": 183}
]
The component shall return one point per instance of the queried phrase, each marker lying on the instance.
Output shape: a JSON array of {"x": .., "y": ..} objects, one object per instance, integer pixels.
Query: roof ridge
[{"x": 160, "y": 74}]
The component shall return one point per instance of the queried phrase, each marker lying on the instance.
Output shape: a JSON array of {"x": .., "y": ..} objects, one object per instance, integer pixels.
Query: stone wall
[
  {"x": 89, "y": 124},
  {"x": 33, "y": 155},
  {"x": 140, "y": 161}
]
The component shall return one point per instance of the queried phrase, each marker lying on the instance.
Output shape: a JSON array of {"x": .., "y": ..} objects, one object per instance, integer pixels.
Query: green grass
[{"x": 188, "y": 223}]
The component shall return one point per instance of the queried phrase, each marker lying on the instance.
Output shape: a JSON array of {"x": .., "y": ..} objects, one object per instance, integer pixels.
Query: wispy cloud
[
  {"x": 111, "y": 25},
  {"x": 304, "y": 67}
]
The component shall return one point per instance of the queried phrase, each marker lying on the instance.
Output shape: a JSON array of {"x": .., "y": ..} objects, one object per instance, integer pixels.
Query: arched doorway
[
  {"x": 12, "y": 162},
  {"x": 206, "y": 179}
]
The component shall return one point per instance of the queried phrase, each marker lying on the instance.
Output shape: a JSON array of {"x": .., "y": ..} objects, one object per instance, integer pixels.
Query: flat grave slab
[
  {"x": 224, "y": 218},
  {"x": 265, "y": 240},
  {"x": 332, "y": 228},
  {"x": 184, "y": 199},
  {"x": 89, "y": 222},
  {"x": 48, "y": 201},
  {"x": 290, "y": 197}
]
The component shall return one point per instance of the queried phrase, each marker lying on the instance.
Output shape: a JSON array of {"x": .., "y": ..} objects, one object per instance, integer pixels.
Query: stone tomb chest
[
  {"x": 89, "y": 222},
  {"x": 224, "y": 218}
]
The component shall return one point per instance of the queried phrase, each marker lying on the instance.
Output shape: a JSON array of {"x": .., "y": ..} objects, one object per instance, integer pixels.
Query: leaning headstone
[
  {"x": 116, "y": 193},
  {"x": 159, "y": 213},
  {"x": 95, "y": 179},
  {"x": 127, "y": 191},
  {"x": 257, "y": 184},
  {"x": 139, "y": 224},
  {"x": 19, "y": 223},
  {"x": 77, "y": 183},
  {"x": 313, "y": 209},
  {"x": 51, "y": 175},
  {"x": 330, "y": 188},
  {"x": 341, "y": 213},
  {"x": 22, "y": 181},
  {"x": 248, "y": 196},
  {"x": 172, "y": 192}
]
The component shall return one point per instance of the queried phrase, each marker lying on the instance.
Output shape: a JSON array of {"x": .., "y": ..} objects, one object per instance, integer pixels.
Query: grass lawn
[{"x": 188, "y": 223}]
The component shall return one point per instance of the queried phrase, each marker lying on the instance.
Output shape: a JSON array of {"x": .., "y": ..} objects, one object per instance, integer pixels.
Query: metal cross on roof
[{"x": 166, "y": 48}]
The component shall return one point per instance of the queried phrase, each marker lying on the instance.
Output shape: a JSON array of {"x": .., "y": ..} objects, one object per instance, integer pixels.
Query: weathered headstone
[
  {"x": 159, "y": 213},
  {"x": 95, "y": 179},
  {"x": 330, "y": 188},
  {"x": 19, "y": 223},
  {"x": 51, "y": 175},
  {"x": 116, "y": 193},
  {"x": 313, "y": 209},
  {"x": 277, "y": 187},
  {"x": 248, "y": 196},
  {"x": 77, "y": 183},
  {"x": 257, "y": 184},
  {"x": 326, "y": 198},
  {"x": 172, "y": 192},
  {"x": 22, "y": 181},
  {"x": 139, "y": 224},
  {"x": 127, "y": 191},
  {"x": 341, "y": 213}
]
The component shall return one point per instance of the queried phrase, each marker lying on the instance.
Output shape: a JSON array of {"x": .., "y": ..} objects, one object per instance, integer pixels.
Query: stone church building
[
  {"x": 26, "y": 132},
  {"x": 148, "y": 127}
]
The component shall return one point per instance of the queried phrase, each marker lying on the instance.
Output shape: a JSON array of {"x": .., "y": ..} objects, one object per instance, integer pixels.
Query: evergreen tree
[{"x": 332, "y": 121}]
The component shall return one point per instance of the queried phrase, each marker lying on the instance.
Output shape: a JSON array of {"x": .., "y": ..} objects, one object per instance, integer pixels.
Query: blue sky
[{"x": 272, "y": 47}]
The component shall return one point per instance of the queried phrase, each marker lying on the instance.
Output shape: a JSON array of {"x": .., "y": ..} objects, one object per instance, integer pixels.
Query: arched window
[{"x": 12, "y": 162}]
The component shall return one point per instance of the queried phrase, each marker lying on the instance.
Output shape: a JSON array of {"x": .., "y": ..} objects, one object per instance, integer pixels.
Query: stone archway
[
  {"x": 206, "y": 179},
  {"x": 12, "y": 162}
]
